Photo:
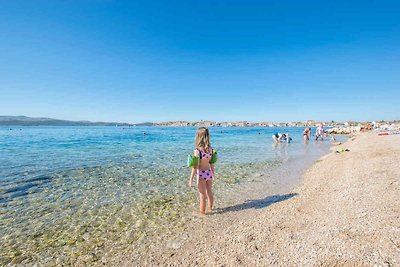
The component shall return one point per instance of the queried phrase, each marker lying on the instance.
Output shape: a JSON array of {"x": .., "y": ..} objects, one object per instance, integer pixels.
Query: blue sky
[{"x": 138, "y": 61}]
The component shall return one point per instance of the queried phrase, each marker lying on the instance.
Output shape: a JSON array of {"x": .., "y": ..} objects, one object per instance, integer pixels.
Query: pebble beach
[{"x": 345, "y": 212}]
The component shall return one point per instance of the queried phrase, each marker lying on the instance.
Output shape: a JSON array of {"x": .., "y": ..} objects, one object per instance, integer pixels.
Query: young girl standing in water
[{"x": 204, "y": 169}]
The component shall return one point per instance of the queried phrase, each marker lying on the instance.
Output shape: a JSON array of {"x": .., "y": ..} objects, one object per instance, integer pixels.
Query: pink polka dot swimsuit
[{"x": 205, "y": 174}]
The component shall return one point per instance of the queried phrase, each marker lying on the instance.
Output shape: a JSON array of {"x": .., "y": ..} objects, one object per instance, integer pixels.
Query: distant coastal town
[
  {"x": 308, "y": 123},
  {"x": 347, "y": 126},
  {"x": 332, "y": 127}
]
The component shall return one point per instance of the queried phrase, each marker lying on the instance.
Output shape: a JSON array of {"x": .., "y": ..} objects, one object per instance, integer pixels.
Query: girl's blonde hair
[{"x": 203, "y": 139}]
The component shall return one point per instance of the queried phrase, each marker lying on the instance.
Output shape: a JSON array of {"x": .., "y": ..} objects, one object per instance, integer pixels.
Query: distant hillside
[
  {"x": 145, "y": 124},
  {"x": 28, "y": 121}
]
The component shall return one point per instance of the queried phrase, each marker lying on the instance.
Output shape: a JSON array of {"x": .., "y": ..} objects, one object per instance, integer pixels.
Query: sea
[{"x": 71, "y": 195}]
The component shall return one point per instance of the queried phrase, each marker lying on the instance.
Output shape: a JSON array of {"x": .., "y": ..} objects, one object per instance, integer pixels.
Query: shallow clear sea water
[{"x": 70, "y": 194}]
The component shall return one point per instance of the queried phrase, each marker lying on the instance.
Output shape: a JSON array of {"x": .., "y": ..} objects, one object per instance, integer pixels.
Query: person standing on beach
[
  {"x": 319, "y": 132},
  {"x": 204, "y": 169},
  {"x": 306, "y": 134}
]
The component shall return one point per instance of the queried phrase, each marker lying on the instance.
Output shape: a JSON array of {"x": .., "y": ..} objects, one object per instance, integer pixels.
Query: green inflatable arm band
[
  {"x": 214, "y": 157},
  {"x": 193, "y": 161}
]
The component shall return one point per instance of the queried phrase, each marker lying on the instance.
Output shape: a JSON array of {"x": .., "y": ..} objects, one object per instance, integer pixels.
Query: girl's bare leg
[
  {"x": 210, "y": 195},
  {"x": 201, "y": 185}
]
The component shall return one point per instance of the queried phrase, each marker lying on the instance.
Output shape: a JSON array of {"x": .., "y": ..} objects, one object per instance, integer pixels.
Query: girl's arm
[
  {"x": 193, "y": 173},
  {"x": 194, "y": 169}
]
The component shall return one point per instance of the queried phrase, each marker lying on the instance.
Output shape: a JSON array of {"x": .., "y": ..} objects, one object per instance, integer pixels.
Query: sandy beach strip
[{"x": 346, "y": 212}]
